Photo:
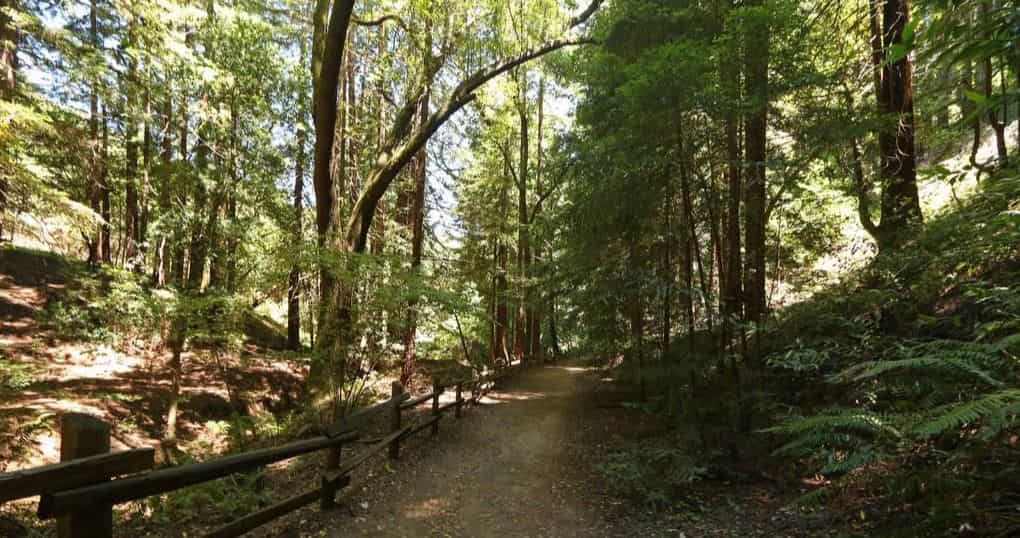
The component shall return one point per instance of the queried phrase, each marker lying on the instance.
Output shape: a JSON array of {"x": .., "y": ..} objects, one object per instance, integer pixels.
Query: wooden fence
[{"x": 82, "y": 489}]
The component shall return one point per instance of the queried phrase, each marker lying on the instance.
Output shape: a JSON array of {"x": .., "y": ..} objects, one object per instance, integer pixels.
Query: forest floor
[{"x": 525, "y": 463}]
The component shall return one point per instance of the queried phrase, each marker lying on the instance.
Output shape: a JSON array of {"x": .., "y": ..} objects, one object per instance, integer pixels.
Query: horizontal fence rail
[
  {"x": 81, "y": 490},
  {"x": 74, "y": 473},
  {"x": 174, "y": 478}
]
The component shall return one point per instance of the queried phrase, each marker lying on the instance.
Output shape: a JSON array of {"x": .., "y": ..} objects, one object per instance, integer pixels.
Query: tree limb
[
  {"x": 387, "y": 169},
  {"x": 585, "y": 15},
  {"x": 509, "y": 164},
  {"x": 541, "y": 197},
  {"x": 395, "y": 19}
]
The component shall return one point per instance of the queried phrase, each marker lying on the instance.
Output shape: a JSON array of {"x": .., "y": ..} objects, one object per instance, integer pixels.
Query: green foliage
[
  {"x": 922, "y": 394},
  {"x": 108, "y": 305},
  {"x": 217, "y": 501},
  {"x": 656, "y": 471},
  {"x": 15, "y": 376}
]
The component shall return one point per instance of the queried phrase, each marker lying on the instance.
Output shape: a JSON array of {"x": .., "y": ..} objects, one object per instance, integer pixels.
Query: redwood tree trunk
[
  {"x": 756, "y": 73},
  {"x": 901, "y": 206},
  {"x": 537, "y": 305},
  {"x": 732, "y": 270},
  {"x": 329, "y": 39},
  {"x": 523, "y": 322}
]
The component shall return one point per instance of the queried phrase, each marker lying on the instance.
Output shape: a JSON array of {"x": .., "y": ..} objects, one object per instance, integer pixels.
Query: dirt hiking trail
[{"x": 508, "y": 468}]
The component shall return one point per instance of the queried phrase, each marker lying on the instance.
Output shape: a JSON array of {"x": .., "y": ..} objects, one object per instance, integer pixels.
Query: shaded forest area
[{"x": 787, "y": 230}]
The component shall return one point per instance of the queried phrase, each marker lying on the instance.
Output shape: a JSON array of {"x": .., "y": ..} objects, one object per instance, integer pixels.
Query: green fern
[
  {"x": 958, "y": 363},
  {"x": 1010, "y": 344},
  {"x": 835, "y": 429},
  {"x": 954, "y": 416}
]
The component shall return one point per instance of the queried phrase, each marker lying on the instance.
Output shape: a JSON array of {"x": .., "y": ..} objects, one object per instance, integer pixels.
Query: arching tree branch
[
  {"x": 395, "y": 19},
  {"x": 391, "y": 163}
]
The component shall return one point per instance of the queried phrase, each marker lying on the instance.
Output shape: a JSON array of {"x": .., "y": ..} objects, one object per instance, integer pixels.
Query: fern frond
[
  {"x": 810, "y": 442},
  {"x": 954, "y": 416},
  {"x": 1010, "y": 344},
  {"x": 870, "y": 370},
  {"x": 846, "y": 421},
  {"x": 853, "y": 460}
]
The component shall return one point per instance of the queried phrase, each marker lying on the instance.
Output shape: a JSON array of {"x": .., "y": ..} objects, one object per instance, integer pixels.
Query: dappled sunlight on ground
[
  {"x": 498, "y": 397},
  {"x": 132, "y": 392},
  {"x": 572, "y": 369},
  {"x": 428, "y": 508}
]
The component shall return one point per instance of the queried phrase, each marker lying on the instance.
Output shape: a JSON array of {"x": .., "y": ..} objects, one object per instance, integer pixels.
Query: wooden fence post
[
  {"x": 460, "y": 401},
  {"x": 330, "y": 487},
  {"x": 396, "y": 391},
  {"x": 83, "y": 435},
  {"x": 436, "y": 390}
]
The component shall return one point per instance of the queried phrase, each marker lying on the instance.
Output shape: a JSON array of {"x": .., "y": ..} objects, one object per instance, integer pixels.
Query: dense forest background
[{"x": 790, "y": 228}]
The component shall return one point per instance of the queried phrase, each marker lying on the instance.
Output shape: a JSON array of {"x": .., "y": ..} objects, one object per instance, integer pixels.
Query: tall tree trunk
[
  {"x": 732, "y": 270},
  {"x": 492, "y": 300},
  {"x": 500, "y": 352},
  {"x": 756, "y": 66},
  {"x": 146, "y": 184},
  {"x": 8, "y": 80},
  {"x": 502, "y": 309},
  {"x": 329, "y": 38},
  {"x": 521, "y": 337},
  {"x": 686, "y": 265},
  {"x": 93, "y": 192},
  {"x": 178, "y": 257},
  {"x": 104, "y": 190},
  {"x": 294, "y": 280},
  {"x": 988, "y": 84},
  {"x": 537, "y": 305},
  {"x": 132, "y": 224},
  {"x": 161, "y": 267},
  {"x": 199, "y": 245},
  {"x": 229, "y": 258},
  {"x": 900, "y": 204},
  {"x": 417, "y": 222},
  {"x": 715, "y": 281}
]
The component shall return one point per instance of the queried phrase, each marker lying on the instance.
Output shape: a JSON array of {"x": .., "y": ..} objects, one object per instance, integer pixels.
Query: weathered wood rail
[{"x": 82, "y": 489}]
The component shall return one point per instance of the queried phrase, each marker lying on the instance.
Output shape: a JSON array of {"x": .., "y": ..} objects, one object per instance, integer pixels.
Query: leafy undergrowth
[
  {"x": 892, "y": 398},
  {"x": 666, "y": 482},
  {"x": 901, "y": 387}
]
